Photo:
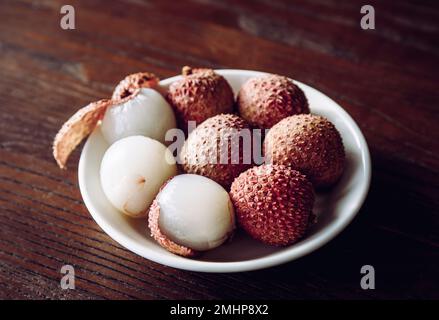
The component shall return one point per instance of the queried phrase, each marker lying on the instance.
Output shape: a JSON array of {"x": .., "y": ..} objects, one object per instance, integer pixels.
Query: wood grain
[{"x": 387, "y": 79}]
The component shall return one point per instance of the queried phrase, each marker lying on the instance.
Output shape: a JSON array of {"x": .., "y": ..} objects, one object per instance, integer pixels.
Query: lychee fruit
[
  {"x": 199, "y": 95},
  {"x": 273, "y": 203},
  {"x": 220, "y": 149},
  {"x": 264, "y": 101},
  {"x": 143, "y": 112},
  {"x": 191, "y": 214},
  {"x": 308, "y": 143},
  {"x": 132, "y": 171}
]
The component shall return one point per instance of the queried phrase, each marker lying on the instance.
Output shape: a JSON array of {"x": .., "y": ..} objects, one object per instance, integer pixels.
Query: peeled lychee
[
  {"x": 190, "y": 214},
  {"x": 264, "y": 101},
  {"x": 273, "y": 203},
  {"x": 220, "y": 149},
  {"x": 143, "y": 112},
  {"x": 310, "y": 144},
  {"x": 132, "y": 171},
  {"x": 200, "y": 94}
]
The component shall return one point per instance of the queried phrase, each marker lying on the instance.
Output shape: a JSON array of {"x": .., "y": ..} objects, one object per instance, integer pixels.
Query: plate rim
[{"x": 315, "y": 242}]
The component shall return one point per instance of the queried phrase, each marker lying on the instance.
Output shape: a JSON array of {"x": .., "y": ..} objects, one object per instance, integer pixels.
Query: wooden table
[{"x": 386, "y": 78}]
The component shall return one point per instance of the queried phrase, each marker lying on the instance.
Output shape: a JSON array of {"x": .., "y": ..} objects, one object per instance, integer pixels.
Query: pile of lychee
[{"x": 193, "y": 199}]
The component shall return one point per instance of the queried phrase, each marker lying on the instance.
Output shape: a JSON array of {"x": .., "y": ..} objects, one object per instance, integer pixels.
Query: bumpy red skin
[
  {"x": 273, "y": 203},
  {"x": 160, "y": 237},
  {"x": 74, "y": 130},
  {"x": 199, "y": 95},
  {"x": 310, "y": 144},
  {"x": 203, "y": 144},
  {"x": 133, "y": 82},
  {"x": 264, "y": 101}
]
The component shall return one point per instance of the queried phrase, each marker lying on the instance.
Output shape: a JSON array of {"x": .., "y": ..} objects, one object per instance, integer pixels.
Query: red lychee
[
  {"x": 273, "y": 203},
  {"x": 264, "y": 101}
]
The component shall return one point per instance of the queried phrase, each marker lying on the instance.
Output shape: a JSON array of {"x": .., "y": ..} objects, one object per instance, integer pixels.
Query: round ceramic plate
[{"x": 335, "y": 209}]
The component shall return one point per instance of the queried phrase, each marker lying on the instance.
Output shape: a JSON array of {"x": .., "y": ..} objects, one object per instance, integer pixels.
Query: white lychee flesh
[
  {"x": 132, "y": 171},
  {"x": 147, "y": 113},
  {"x": 195, "y": 212}
]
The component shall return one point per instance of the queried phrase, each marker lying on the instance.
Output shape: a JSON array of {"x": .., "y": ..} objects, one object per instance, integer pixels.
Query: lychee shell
[
  {"x": 264, "y": 101},
  {"x": 160, "y": 237},
  {"x": 310, "y": 144},
  {"x": 199, "y": 95},
  {"x": 203, "y": 145},
  {"x": 133, "y": 82},
  {"x": 273, "y": 203}
]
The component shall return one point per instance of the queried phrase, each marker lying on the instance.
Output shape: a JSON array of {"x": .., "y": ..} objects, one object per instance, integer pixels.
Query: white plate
[{"x": 335, "y": 209}]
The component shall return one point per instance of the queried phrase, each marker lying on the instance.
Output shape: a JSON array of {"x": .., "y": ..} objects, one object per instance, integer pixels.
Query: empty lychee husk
[
  {"x": 308, "y": 143},
  {"x": 200, "y": 94},
  {"x": 273, "y": 203},
  {"x": 80, "y": 125},
  {"x": 135, "y": 81},
  {"x": 205, "y": 149},
  {"x": 264, "y": 101}
]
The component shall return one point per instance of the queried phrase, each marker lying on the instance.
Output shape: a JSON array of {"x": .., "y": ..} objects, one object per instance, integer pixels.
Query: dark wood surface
[{"x": 387, "y": 79}]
